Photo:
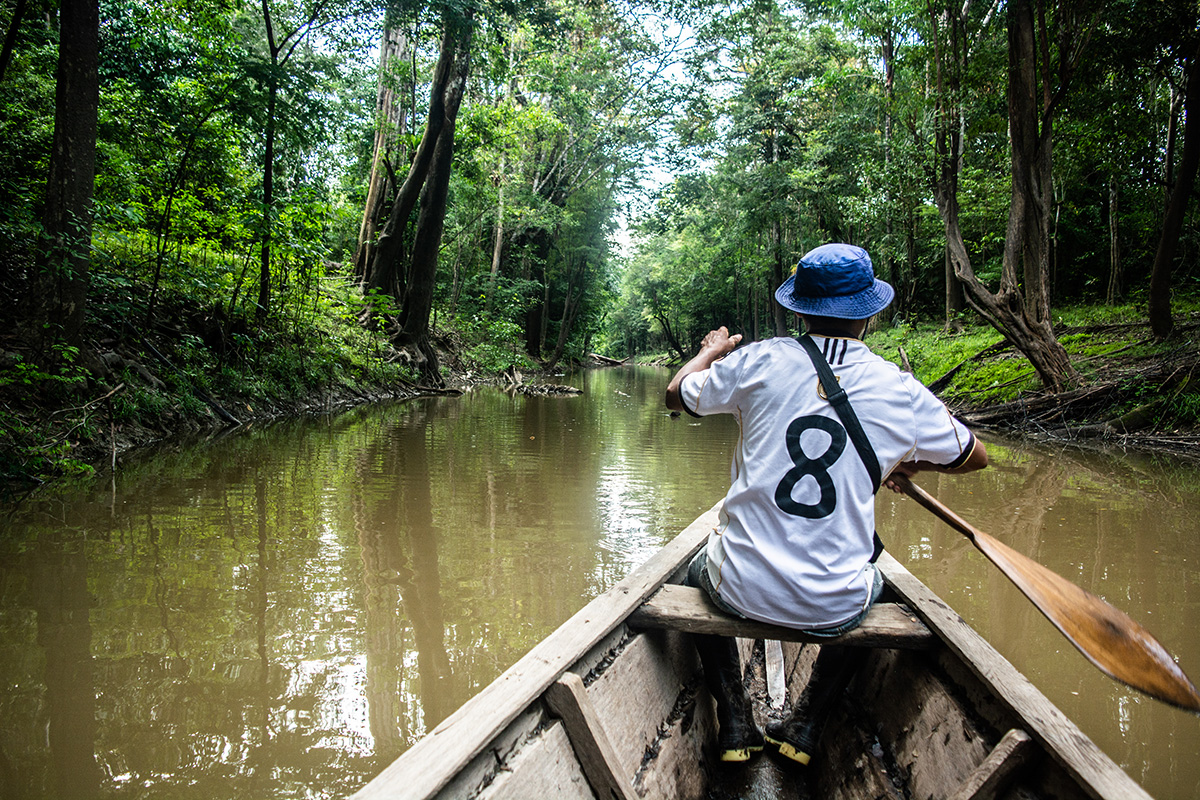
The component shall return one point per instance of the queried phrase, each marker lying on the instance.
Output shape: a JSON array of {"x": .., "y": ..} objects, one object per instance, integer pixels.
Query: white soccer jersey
[{"x": 797, "y": 525}]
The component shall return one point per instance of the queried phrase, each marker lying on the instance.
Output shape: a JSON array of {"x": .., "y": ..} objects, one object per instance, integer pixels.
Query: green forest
[{"x": 216, "y": 210}]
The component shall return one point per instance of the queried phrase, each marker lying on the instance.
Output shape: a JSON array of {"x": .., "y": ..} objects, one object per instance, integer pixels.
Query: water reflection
[{"x": 281, "y": 612}]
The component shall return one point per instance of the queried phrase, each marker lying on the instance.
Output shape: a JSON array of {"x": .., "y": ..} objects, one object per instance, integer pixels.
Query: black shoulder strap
[{"x": 841, "y": 404}]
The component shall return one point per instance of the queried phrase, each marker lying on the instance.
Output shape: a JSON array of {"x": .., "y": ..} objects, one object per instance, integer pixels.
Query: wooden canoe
[{"x": 612, "y": 705}]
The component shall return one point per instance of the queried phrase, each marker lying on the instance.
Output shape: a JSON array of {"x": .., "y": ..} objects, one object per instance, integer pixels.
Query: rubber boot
[
  {"x": 797, "y": 736},
  {"x": 737, "y": 735}
]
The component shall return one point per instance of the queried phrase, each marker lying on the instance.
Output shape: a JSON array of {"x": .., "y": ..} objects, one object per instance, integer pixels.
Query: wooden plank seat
[{"x": 684, "y": 608}]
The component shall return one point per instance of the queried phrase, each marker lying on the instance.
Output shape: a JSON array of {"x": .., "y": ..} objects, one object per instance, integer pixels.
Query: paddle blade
[{"x": 1107, "y": 636}]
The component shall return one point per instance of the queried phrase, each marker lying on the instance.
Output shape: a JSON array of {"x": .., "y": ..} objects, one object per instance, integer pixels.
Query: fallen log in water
[{"x": 612, "y": 362}]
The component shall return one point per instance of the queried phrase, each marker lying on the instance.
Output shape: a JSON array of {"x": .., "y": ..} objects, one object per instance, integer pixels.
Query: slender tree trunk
[
  {"x": 501, "y": 181},
  {"x": 570, "y": 310},
  {"x": 544, "y": 316},
  {"x": 268, "y": 183},
  {"x": 669, "y": 332},
  {"x": 65, "y": 255},
  {"x": 1114, "y": 244},
  {"x": 390, "y": 128},
  {"x": 780, "y": 314},
  {"x": 1161, "y": 324},
  {"x": 891, "y": 264},
  {"x": 10, "y": 39},
  {"x": 756, "y": 314},
  {"x": 497, "y": 238}
]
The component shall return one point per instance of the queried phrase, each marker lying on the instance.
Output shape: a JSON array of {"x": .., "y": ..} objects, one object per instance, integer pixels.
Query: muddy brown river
[{"x": 281, "y": 611}]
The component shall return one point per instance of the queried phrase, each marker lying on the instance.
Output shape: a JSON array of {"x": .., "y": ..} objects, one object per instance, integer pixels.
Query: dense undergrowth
[
  {"x": 1135, "y": 390},
  {"x": 165, "y": 358}
]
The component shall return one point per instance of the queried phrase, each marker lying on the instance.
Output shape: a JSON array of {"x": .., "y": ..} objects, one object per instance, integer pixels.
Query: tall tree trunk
[
  {"x": 1020, "y": 309},
  {"x": 268, "y": 184},
  {"x": 1114, "y": 244},
  {"x": 280, "y": 47},
  {"x": 1027, "y": 238},
  {"x": 890, "y": 263},
  {"x": 755, "y": 313},
  {"x": 780, "y": 314},
  {"x": 501, "y": 182},
  {"x": 573, "y": 299},
  {"x": 10, "y": 39},
  {"x": 956, "y": 300},
  {"x": 497, "y": 238},
  {"x": 418, "y": 295},
  {"x": 390, "y": 123},
  {"x": 386, "y": 271},
  {"x": 67, "y": 219},
  {"x": 1161, "y": 324}
]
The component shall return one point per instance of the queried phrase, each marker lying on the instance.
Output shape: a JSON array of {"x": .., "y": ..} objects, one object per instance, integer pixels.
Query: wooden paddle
[{"x": 1108, "y": 637}]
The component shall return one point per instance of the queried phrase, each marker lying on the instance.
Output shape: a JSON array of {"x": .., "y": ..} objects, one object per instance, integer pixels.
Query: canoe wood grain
[
  {"x": 1007, "y": 759},
  {"x": 1097, "y": 774},
  {"x": 569, "y": 701},
  {"x": 434, "y": 760}
]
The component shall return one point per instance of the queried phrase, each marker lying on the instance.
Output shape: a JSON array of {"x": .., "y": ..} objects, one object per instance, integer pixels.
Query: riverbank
[
  {"x": 191, "y": 368},
  {"x": 1135, "y": 393},
  {"x": 193, "y": 371}
]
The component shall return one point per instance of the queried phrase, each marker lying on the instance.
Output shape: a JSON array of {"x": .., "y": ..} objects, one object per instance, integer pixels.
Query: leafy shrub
[{"x": 493, "y": 345}]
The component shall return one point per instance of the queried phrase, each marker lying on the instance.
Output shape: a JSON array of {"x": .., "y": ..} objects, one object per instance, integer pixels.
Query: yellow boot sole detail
[
  {"x": 739, "y": 753},
  {"x": 788, "y": 751}
]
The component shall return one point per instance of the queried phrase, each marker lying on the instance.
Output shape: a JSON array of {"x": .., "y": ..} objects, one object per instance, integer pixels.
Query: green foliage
[
  {"x": 931, "y": 351},
  {"x": 492, "y": 346},
  {"x": 32, "y": 444},
  {"x": 778, "y": 127}
]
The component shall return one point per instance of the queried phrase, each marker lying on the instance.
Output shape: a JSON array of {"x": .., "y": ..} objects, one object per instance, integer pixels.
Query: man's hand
[
  {"x": 715, "y": 345},
  {"x": 907, "y": 469},
  {"x": 719, "y": 342}
]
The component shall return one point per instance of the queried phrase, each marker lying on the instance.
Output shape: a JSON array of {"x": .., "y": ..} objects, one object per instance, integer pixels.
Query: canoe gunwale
[
  {"x": 431, "y": 763},
  {"x": 1058, "y": 735}
]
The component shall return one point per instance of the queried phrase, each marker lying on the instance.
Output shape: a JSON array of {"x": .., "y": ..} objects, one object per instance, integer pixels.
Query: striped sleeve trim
[{"x": 966, "y": 452}]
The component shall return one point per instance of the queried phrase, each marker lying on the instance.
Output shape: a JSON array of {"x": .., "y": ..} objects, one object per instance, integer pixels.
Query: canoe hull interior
[
  {"x": 913, "y": 724},
  {"x": 647, "y": 690}
]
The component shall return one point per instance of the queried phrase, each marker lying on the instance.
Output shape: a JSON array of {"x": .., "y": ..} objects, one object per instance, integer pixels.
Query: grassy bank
[{"x": 1134, "y": 390}]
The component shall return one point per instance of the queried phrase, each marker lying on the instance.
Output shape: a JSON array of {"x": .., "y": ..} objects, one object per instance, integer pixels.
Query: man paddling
[{"x": 796, "y": 540}]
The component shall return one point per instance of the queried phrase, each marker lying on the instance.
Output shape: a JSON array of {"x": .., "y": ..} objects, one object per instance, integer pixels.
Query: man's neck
[
  {"x": 832, "y": 333},
  {"x": 832, "y": 327}
]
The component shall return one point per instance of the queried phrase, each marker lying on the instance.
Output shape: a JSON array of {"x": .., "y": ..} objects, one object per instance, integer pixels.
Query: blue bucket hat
[{"x": 835, "y": 280}]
